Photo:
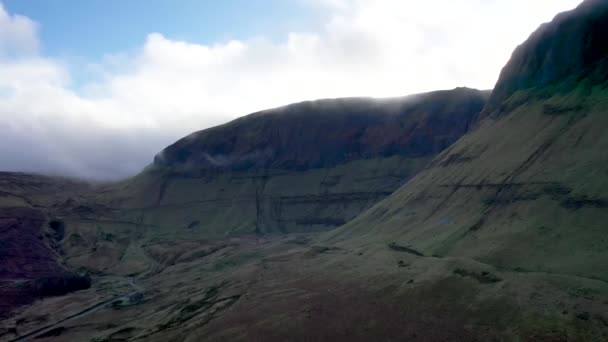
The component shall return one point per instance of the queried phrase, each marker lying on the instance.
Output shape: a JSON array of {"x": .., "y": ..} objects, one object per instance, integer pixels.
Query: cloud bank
[{"x": 141, "y": 101}]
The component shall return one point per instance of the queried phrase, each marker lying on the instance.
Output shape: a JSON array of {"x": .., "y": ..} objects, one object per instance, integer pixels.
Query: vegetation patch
[
  {"x": 193, "y": 224},
  {"x": 59, "y": 285},
  {"x": 402, "y": 263},
  {"x": 484, "y": 277},
  {"x": 321, "y": 221},
  {"x": 52, "y": 333},
  {"x": 584, "y": 202},
  {"x": 316, "y": 250},
  {"x": 398, "y": 248},
  {"x": 556, "y": 191},
  {"x": 477, "y": 226},
  {"x": 456, "y": 158},
  {"x": 551, "y": 109},
  {"x": 207, "y": 307},
  {"x": 58, "y": 229}
]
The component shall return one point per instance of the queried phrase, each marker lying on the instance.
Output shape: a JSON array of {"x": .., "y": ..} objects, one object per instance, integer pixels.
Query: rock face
[
  {"x": 301, "y": 168},
  {"x": 327, "y": 133},
  {"x": 527, "y": 190},
  {"x": 571, "y": 48}
]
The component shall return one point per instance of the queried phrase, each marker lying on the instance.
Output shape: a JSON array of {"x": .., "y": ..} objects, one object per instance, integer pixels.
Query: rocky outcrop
[{"x": 570, "y": 49}]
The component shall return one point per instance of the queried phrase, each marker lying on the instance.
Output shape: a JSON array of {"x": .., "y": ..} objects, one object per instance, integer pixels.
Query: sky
[{"x": 94, "y": 89}]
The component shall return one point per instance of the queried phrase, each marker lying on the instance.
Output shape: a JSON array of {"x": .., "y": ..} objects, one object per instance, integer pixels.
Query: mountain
[
  {"x": 494, "y": 231},
  {"x": 305, "y": 167},
  {"x": 301, "y": 168},
  {"x": 530, "y": 182}
]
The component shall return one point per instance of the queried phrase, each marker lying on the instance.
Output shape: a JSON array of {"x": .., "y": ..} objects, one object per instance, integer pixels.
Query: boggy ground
[{"x": 292, "y": 288}]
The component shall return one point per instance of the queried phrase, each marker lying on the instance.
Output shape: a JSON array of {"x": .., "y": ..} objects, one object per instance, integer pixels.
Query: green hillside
[{"x": 527, "y": 190}]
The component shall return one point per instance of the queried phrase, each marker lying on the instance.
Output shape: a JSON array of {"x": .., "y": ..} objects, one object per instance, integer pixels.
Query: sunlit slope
[{"x": 528, "y": 189}]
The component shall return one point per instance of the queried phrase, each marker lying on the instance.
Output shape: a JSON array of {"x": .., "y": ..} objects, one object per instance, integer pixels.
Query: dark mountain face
[
  {"x": 327, "y": 133},
  {"x": 570, "y": 49}
]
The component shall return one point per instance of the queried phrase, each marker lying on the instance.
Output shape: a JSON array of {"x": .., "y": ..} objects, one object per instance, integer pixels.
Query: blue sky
[
  {"x": 92, "y": 28},
  {"x": 95, "y": 88}
]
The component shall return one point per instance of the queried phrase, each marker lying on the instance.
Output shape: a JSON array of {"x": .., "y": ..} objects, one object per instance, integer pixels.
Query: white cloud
[
  {"x": 17, "y": 34},
  {"x": 169, "y": 88}
]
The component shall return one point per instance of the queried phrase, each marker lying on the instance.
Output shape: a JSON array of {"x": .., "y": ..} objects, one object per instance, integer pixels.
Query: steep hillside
[
  {"x": 301, "y": 168},
  {"x": 527, "y": 190}
]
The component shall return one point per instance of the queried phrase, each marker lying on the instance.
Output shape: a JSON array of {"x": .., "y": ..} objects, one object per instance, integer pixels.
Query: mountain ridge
[{"x": 285, "y": 139}]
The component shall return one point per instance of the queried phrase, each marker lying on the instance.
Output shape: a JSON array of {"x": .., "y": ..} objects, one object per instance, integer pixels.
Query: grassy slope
[
  {"x": 317, "y": 165},
  {"x": 526, "y": 191},
  {"x": 220, "y": 204},
  {"x": 291, "y": 289},
  {"x": 114, "y": 234}
]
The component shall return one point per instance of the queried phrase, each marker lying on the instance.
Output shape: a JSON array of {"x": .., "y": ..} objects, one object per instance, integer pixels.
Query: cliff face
[
  {"x": 305, "y": 167},
  {"x": 527, "y": 189},
  {"x": 570, "y": 49},
  {"x": 327, "y": 133}
]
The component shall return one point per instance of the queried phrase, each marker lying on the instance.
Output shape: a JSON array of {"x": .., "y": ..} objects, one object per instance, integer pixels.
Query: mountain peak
[{"x": 572, "y": 47}]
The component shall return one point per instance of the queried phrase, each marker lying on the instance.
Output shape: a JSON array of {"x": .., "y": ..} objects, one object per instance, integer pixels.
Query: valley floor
[{"x": 292, "y": 288}]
